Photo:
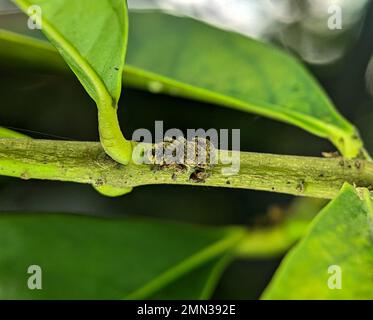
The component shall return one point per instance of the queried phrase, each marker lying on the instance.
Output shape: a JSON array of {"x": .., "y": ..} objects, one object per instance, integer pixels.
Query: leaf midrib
[
  {"x": 187, "y": 265},
  {"x": 101, "y": 89},
  {"x": 227, "y": 101}
]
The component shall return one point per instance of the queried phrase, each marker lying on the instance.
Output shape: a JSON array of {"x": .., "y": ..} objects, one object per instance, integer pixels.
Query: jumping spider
[{"x": 196, "y": 156}]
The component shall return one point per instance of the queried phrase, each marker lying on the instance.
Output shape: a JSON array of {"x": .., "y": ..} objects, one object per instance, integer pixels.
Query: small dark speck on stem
[
  {"x": 301, "y": 186},
  {"x": 99, "y": 183},
  {"x": 357, "y": 164},
  {"x": 199, "y": 175},
  {"x": 25, "y": 175}
]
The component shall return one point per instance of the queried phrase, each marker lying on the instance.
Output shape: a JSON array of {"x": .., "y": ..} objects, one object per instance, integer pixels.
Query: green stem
[
  {"x": 111, "y": 137},
  {"x": 86, "y": 162},
  {"x": 272, "y": 241}
]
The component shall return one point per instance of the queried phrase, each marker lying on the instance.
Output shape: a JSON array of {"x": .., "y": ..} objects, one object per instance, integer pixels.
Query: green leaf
[
  {"x": 26, "y": 53},
  {"x": 276, "y": 239},
  {"x": 184, "y": 57},
  {"x": 84, "y": 257},
  {"x": 198, "y": 284},
  {"x": 195, "y": 60},
  {"x": 92, "y": 38},
  {"x": 341, "y": 236}
]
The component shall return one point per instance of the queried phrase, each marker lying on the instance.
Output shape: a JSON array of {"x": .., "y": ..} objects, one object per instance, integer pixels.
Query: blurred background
[{"x": 56, "y": 107}]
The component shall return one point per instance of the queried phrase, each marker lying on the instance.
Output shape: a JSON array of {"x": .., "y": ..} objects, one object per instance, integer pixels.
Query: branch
[{"x": 86, "y": 162}]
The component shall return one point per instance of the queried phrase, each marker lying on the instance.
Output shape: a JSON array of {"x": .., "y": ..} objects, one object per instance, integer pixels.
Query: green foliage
[
  {"x": 86, "y": 257},
  {"x": 19, "y": 51},
  {"x": 232, "y": 70},
  {"x": 341, "y": 235},
  {"x": 96, "y": 58},
  {"x": 259, "y": 78}
]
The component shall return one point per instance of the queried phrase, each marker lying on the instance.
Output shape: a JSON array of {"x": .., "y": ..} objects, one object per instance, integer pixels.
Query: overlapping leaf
[
  {"x": 84, "y": 257},
  {"x": 92, "y": 38},
  {"x": 335, "y": 259}
]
